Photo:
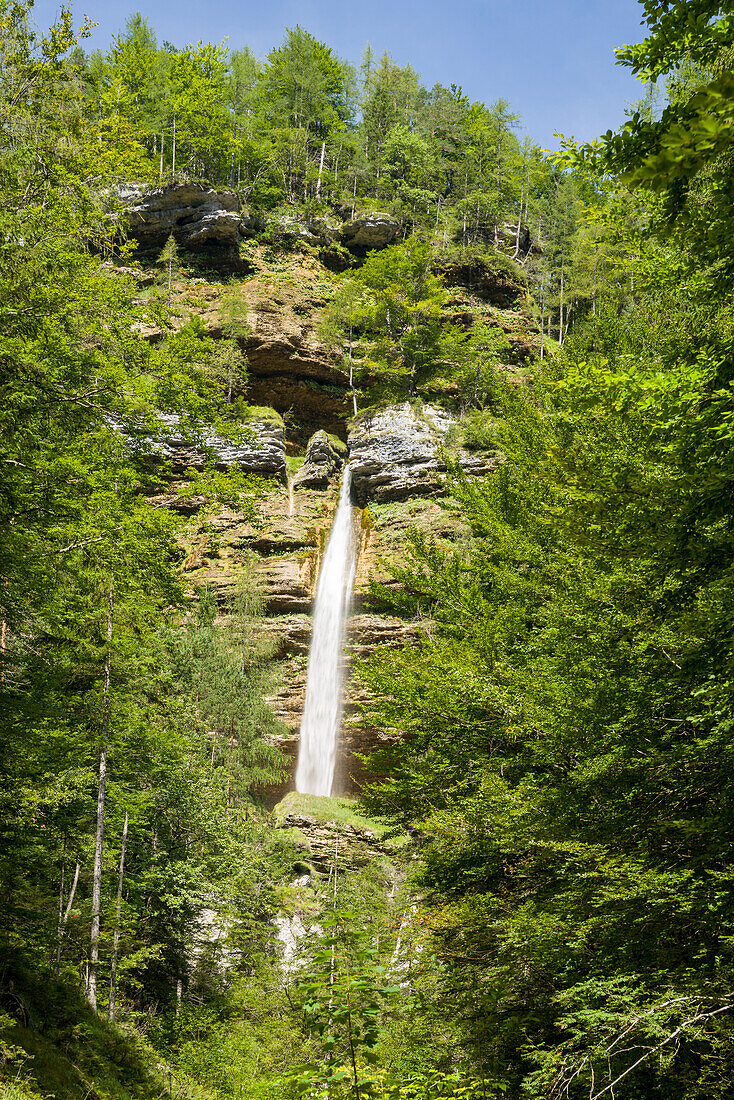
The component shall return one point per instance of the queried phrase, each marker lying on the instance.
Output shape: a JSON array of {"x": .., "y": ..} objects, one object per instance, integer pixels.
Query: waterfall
[{"x": 323, "y": 707}]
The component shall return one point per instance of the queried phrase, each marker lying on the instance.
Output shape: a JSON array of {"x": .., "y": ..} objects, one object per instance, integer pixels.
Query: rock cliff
[
  {"x": 260, "y": 450},
  {"x": 325, "y": 457},
  {"x": 397, "y": 453},
  {"x": 202, "y": 220}
]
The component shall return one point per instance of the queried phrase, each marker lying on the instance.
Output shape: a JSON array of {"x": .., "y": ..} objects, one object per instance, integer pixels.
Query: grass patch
[
  {"x": 340, "y": 811},
  {"x": 263, "y": 413}
]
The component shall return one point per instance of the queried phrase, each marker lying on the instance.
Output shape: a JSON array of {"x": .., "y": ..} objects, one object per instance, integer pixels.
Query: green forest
[{"x": 531, "y": 895}]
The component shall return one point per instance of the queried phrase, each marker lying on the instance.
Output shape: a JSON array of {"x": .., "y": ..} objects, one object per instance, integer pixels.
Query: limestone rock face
[
  {"x": 319, "y": 839},
  {"x": 262, "y": 453},
  {"x": 290, "y": 227},
  {"x": 290, "y": 369},
  {"x": 393, "y": 453},
  {"x": 367, "y": 231},
  {"x": 200, "y": 218},
  {"x": 359, "y": 234},
  {"x": 325, "y": 456}
]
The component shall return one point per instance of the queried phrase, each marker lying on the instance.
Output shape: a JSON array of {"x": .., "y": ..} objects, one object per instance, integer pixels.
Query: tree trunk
[
  {"x": 351, "y": 372},
  {"x": 63, "y": 919},
  {"x": 519, "y": 220},
  {"x": 321, "y": 172},
  {"x": 542, "y": 323},
  {"x": 60, "y": 923},
  {"x": 234, "y": 139},
  {"x": 116, "y": 941},
  {"x": 231, "y": 754},
  {"x": 3, "y": 634},
  {"x": 99, "y": 839},
  {"x": 173, "y": 155},
  {"x": 560, "y": 304},
  {"x": 332, "y": 964}
]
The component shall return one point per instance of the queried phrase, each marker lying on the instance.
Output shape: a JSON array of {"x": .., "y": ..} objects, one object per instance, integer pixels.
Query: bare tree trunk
[
  {"x": 116, "y": 940},
  {"x": 351, "y": 372},
  {"x": 70, "y": 902},
  {"x": 173, "y": 156},
  {"x": 542, "y": 323},
  {"x": 560, "y": 304},
  {"x": 3, "y": 634},
  {"x": 519, "y": 219},
  {"x": 160, "y": 170},
  {"x": 234, "y": 139},
  {"x": 231, "y": 753},
  {"x": 321, "y": 172},
  {"x": 332, "y": 965},
  {"x": 63, "y": 919},
  {"x": 99, "y": 839},
  {"x": 593, "y": 292},
  {"x": 60, "y": 923}
]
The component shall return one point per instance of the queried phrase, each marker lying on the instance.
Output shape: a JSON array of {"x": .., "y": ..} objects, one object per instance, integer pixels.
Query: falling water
[{"x": 323, "y": 707}]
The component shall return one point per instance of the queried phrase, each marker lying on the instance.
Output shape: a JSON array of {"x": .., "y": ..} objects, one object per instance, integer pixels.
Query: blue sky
[{"x": 552, "y": 59}]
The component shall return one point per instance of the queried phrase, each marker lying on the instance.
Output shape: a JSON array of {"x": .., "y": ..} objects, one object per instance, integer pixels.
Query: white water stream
[{"x": 323, "y": 707}]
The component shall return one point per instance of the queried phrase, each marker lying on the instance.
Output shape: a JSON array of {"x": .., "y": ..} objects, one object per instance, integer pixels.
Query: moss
[
  {"x": 263, "y": 413},
  {"x": 338, "y": 444},
  {"x": 340, "y": 811}
]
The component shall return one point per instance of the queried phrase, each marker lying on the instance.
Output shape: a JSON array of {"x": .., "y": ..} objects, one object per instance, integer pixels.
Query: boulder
[
  {"x": 325, "y": 456},
  {"x": 369, "y": 231},
  {"x": 325, "y": 227},
  {"x": 393, "y": 453},
  {"x": 286, "y": 227},
  {"x": 262, "y": 453},
  {"x": 200, "y": 218}
]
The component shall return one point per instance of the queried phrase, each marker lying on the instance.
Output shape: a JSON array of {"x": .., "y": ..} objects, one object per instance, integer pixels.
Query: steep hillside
[{"x": 395, "y": 450}]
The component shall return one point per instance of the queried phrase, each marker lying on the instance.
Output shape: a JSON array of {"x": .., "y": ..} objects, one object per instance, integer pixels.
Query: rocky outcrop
[
  {"x": 289, "y": 368},
  {"x": 369, "y": 231},
  {"x": 201, "y": 219},
  {"x": 323, "y": 827},
  {"x": 262, "y": 451},
  {"x": 360, "y": 233},
  {"x": 394, "y": 453},
  {"x": 487, "y": 282},
  {"x": 325, "y": 456}
]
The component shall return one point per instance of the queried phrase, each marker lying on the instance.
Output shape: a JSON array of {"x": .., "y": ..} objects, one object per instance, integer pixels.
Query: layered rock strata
[
  {"x": 261, "y": 450},
  {"x": 366, "y": 232},
  {"x": 289, "y": 536},
  {"x": 395, "y": 453},
  {"x": 325, "y": 457},
  {"x": 201, "y": 219},
  {"x": 359, "y": 233}
]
